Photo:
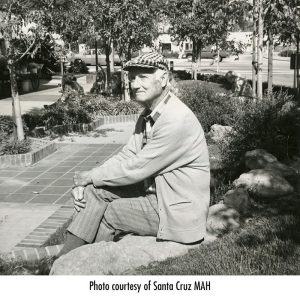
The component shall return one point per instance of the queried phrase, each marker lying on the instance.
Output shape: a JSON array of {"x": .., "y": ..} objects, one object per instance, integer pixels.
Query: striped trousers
[{"x": 110, "y": 210}]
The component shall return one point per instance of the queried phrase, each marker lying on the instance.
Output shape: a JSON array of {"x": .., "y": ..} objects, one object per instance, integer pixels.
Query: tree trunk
[
  {"x": 194, "y": 59},
  {"x": 297, "y": 62},
  {"x": 125, "y": 81},
  {"x": 96, "y": 59},
  {"x": 125, "y": 78},
  {"x": 61, "y": 67},
  {"x": 254, "y": 49},
  {"x": 260, "y": 51},
  {"x": 112, "y": 57},
  {"x": 108, "y": 74},
  {"x": 270, "y": 62},
  {"x": 16, "y": 107},
  {"x": 218, "y": 59}
]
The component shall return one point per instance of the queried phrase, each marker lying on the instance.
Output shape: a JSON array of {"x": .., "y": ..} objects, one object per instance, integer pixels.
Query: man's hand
[
  {"x": 78, "y": 198},
  {"x": 82, "y": 178}
]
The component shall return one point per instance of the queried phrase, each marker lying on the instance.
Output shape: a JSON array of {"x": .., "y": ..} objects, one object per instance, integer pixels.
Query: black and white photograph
[{"x": 147, "y": 139}]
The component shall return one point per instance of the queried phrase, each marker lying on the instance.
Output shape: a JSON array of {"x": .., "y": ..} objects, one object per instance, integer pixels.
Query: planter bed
[
  {"x": 40, "y": 149},
  {"x": 85, "y": 127}
]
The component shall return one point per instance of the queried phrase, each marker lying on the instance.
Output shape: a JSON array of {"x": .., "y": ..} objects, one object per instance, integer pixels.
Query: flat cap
[{"x": 148, "y": 60}]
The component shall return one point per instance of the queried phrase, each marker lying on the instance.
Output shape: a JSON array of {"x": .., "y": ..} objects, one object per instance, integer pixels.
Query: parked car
[
  {"x": 89, "y": 58},
  {"x": 206, "y": 53}
]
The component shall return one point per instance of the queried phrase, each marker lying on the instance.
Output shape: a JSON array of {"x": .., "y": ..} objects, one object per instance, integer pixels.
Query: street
[{"x": 282, "y": 74}]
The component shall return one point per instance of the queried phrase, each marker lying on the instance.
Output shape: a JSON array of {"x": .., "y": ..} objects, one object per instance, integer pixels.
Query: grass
[
  {"x": 268, "y": 244},
  {"x": 58, "y": 237},
  {"x": 38, "y": 267},
  {"x": 216, "y": 87},
  {"x": 19, "y": 267}
]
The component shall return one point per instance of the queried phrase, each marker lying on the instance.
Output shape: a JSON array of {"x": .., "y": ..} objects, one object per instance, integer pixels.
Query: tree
[
  {"x": 203, "y": 22},
  {"x": 275, "y": 19},
  {"x": 21, "y": 29},
  {"x": 134, "y": 27},
  {"x": 282, "y": 20}
]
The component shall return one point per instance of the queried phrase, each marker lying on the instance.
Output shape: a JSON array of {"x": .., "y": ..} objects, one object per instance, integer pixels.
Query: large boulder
[
  {"x": 281, "y": 168},
  {"x": 122, "y": 257},
  {"x": 261, "y": 159},
  {"x": 221, "y": 219},
  {"x": 116, "y": 258},
  {"x": 238, "y": 199},
  {"x": 264, "y": 183},
  {"x": 219, "y": 132},
  {"x": 258, "y": 159}
]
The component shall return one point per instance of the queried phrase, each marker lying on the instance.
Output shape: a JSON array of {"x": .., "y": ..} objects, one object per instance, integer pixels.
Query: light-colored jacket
[{"x": 177, "y": 156}]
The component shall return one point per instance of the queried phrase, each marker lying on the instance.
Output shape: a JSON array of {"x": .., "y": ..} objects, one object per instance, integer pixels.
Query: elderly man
[{"x": 158, "y": 185}]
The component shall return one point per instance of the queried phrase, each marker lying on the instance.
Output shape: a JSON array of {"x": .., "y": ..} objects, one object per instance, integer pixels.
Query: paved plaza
[{"x": 36, "y": 200}]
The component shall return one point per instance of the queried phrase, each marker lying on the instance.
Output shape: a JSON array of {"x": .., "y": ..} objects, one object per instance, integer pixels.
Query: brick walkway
[{"x": 48, "y": 183}]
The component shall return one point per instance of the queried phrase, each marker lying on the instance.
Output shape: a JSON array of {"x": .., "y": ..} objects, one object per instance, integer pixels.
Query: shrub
[
  {"x": 6, "y": 124},
  {"x": 209, "y": 106},
  {"x": 69, "y": 83},
  {"x": 76, "y": 109},
  {"x": 65, "y": 114},
  {"x": 286, "y": 53},
  {"x": 78, "y": 66},
  {"x": 181, "y": 75},
  {"x": 97, "y": 105},
  {"x": 12, "y": 146},
  {"x": 217, "y": 78},
  {"x": 33, "y": 119},
  {"x": 270, "y": 124},
  {"x": 126, "y": 108}
]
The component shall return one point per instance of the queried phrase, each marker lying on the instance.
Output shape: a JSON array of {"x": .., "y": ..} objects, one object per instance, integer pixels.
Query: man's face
[{"x": 145, "y": 85}]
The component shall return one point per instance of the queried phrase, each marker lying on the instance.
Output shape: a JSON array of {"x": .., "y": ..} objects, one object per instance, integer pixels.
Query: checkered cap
[{"x": 148, "y": 60}]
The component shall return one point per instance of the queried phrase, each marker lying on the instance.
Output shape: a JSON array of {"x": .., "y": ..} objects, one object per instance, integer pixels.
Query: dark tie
[{"x": 147, "y": 124}]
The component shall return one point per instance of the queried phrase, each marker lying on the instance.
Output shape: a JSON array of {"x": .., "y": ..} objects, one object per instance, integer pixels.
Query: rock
[
  {"x": 261, "y": 159},
  {"x": 122, "y": 257},
  {"x": 264, "y": 183},
  {"x": 218, "y": 132},
  {"x": 281, "y": 168},
  {"x": 116, "y": 258},
  {"x": 239, "y": 200},
  {"x": 258, "y": 159},
  {"x": 221, "y": 219}
]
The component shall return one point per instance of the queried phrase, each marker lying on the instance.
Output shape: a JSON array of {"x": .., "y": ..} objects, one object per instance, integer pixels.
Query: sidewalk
[
  {"x": 35, "y": 201},
  {"x": 48, "y": 93}
]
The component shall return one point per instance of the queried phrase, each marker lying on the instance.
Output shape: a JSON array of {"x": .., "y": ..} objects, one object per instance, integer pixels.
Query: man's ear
[{"x": 164, "y": 79}]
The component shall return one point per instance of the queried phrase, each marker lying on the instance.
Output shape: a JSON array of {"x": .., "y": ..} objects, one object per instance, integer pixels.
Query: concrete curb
[
  {"x": 29, "y": 158},
  {"x": 45, "y": 230}
]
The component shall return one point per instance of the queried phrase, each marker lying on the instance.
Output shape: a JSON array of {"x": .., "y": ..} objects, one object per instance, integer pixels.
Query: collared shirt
[{"x": 150, "y": 119}]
